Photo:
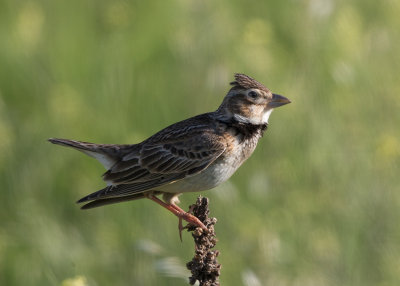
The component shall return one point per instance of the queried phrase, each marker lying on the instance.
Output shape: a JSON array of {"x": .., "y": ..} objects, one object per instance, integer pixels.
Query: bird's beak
[{"x": 277, "y": 100}]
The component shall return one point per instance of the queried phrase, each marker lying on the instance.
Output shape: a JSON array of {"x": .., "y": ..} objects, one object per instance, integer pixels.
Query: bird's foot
[
  {"x": 190, "y": 218},
  {"x": 181, "y": 214},
  {"x": 190, "y": 212}
]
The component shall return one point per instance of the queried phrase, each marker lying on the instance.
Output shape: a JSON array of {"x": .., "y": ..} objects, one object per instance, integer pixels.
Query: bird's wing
[{"x": 161, "y": 160}]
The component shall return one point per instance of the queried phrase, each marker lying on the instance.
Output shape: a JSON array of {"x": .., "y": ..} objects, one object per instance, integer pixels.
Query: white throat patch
[
  {"x": 266, "y": 116},
  {"x": 244, "y": 119}
]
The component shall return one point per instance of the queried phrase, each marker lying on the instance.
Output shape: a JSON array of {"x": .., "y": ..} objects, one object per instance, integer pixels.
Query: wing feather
[
  {"x": 145, "y": 175},
  {"x": 178, "y": 151}
]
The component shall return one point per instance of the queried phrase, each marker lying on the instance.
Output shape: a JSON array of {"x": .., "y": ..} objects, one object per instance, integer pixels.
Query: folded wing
[{"x": 155, "y": 162}]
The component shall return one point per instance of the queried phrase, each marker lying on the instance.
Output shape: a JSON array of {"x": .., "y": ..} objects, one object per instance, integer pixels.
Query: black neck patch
[{"x": 248, "y": 130}]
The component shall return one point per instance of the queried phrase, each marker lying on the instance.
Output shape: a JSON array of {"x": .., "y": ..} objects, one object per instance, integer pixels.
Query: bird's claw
[{"x": 192, "y": 221}]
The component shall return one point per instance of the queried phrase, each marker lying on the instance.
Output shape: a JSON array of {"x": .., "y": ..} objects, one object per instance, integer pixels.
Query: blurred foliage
[{"x": 318, "y": 203}]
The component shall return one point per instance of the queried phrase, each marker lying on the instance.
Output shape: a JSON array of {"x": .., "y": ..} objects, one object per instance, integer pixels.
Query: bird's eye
[{"x": 253, "y": 94}]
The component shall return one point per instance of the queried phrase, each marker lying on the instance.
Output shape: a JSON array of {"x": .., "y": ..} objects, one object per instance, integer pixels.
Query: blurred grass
[{"x": 317, "y": 204}]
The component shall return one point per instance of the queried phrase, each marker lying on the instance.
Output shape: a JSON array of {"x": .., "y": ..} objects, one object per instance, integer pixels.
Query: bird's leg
[
  {"x": 180, "y": 226},
  {"x": 180, "y": 213},
  {"x": 187, "y": 216}
]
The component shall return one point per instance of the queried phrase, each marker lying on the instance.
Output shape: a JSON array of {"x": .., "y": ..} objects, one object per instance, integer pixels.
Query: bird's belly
[{"x": 215, "y": 174}]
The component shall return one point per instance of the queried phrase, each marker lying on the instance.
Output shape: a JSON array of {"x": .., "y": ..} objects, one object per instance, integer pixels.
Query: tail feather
[
  {"x": 96, "y": 195},
  {"x": 106, "y": 154},
  {"x": 74, "y": 144},
  {"x": 108, "y": 201}
]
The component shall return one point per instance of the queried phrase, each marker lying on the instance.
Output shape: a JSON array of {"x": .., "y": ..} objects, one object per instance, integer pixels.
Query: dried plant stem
[{"x": 204, "y": 265}]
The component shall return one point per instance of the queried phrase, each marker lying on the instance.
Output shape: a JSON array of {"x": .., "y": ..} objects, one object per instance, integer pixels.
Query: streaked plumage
[{"x": 195, "y": 154}]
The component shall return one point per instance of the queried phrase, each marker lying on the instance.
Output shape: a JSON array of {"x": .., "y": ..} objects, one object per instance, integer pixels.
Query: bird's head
[{"x": 249, "y": 101}]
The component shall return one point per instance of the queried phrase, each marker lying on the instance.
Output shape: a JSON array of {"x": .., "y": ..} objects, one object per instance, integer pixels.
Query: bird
[{"x": 192, "y": 155}]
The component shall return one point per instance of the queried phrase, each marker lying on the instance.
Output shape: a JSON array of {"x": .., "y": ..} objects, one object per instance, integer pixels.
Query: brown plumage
[{"x": 192, "y": 155}]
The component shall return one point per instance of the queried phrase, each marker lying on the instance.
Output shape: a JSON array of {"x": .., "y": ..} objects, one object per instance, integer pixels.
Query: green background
[{"x": 317, "y": 204}]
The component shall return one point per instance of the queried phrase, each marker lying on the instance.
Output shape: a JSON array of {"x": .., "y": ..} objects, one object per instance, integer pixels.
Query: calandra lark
[{"x": 192, "y": 155}]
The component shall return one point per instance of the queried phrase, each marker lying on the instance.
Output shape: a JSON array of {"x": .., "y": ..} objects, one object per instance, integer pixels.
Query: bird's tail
[
  {"x": 108, "y": 201},
  {"x": 106, "y": 154}
]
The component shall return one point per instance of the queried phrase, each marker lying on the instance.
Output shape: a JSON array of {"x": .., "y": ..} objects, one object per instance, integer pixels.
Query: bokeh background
[{"x": 317, "y": 204}]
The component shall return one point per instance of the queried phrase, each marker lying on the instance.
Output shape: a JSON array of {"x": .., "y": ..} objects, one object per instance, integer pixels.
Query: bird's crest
[{"x": 243, "y": 81}]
